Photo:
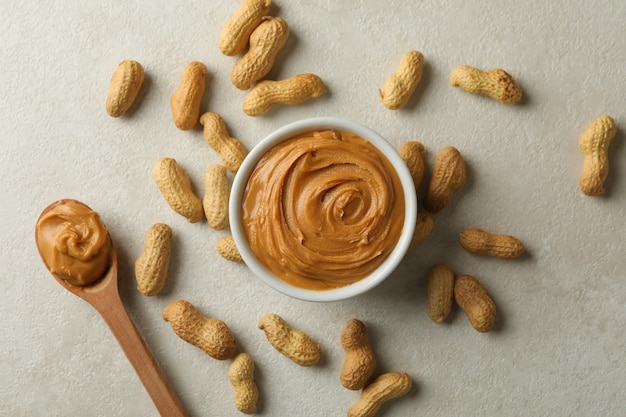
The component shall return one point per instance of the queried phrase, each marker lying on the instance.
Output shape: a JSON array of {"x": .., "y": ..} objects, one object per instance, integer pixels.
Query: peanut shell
[{"x": 475, "y": 302}]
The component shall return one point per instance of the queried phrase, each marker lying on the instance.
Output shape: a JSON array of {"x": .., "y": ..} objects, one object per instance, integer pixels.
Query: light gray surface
[{"x": 559, "y": 343}]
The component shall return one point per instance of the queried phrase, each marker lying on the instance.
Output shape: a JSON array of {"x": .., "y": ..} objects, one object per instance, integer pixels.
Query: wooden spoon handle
[{"x": 133, "y": 345}]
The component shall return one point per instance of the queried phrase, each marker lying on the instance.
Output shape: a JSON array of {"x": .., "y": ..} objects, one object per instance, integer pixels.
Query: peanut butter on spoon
[
  {"x": 74, "y": 243},
  {"x": 78, "y": 251}
]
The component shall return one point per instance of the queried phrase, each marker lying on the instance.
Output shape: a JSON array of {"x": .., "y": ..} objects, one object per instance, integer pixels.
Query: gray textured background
[{"x": 559, "y": 343}]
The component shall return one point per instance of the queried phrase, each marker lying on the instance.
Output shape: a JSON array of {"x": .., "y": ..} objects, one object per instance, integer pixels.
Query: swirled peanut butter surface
[
  {"x": 74, "y": 243},
  {"x": 323, "y": 209}
]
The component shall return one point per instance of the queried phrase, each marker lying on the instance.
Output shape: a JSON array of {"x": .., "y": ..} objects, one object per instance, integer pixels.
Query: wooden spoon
[{"x": 104, "y": 296}]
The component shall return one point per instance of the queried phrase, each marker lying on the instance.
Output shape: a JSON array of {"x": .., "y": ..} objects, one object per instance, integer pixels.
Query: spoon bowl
[{"x": 103, "y": 295}]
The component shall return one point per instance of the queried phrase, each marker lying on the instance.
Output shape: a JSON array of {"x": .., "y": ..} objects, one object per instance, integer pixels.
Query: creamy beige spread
[
  {"x": 74, "y": 243},
  {"x": 323, "y": 209}
]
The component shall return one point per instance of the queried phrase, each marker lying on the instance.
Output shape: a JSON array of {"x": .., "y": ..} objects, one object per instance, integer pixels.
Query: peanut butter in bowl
[{"x": 323, "y": 209}]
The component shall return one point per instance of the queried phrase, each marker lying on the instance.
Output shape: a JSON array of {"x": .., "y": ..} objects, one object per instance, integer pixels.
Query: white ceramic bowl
[{"x": 287, "y": 132}]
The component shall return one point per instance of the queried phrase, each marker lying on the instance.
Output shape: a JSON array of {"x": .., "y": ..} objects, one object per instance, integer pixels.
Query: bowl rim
[{"x": 286, "y": 132}]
